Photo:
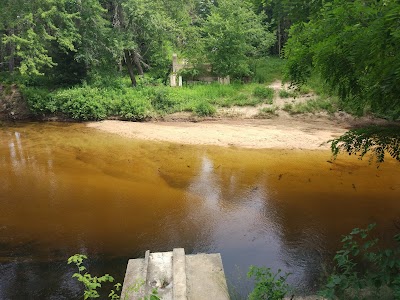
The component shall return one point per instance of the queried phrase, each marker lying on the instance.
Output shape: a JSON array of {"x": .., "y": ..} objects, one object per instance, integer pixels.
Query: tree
[
  {"x": 31, "y": 30},
  {"x": 282, "y": 14},
  {"x": 353, "y": 45},
  {"x": 233, "y": 34},
  {"x": 145, "y": 31},
  {"x": 375, "y": 140}
]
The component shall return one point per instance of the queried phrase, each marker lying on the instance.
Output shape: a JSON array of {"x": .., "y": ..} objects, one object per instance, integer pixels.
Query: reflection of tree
[{"x": 65, "y": 192}]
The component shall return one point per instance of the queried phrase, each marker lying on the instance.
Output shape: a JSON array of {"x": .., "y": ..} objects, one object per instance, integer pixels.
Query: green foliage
[
  {"x": 286, "y": 94},
  {"x": 265, "y": 93},
  {"x": 232, "y": 34},
  {"x": 34, "y": 27},
  {"x": 82, "y": 103},
  {"x": 375, "y": 140},
  {"x": 362, "y": 270},
  {"x": 39, "y": 100},
  {"x": 91, "y": 283},
  {"x": 204, "y": 109},
  {"x": 353, "y": 46},
  {"x": 312, "y": 106},
  {"x": 268, "y": 285},
  {"x": 131, "y": 106},
  {"x": 161, "y": 100},
  {"x": 267, "y": 70}
]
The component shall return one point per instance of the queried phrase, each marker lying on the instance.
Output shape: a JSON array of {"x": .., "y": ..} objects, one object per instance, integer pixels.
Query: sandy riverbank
[{"x": 306, "y": 132}]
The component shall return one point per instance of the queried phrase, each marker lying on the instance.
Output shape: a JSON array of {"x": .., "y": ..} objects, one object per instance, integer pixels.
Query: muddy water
[{"x": 67, "y": 189}]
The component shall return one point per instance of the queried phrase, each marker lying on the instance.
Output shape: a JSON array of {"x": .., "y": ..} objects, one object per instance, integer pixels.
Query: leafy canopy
[
  {"x": 233, "y": 34},
  {"x": 354, "y": 46}
]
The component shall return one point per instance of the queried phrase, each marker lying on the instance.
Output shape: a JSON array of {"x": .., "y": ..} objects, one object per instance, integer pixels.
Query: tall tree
[
  {"x": 354, "y": 46},
  {"x": 233, "y": 34},
  {"x": 145, "y": 31},
  {"x": 36, "y": 25}
]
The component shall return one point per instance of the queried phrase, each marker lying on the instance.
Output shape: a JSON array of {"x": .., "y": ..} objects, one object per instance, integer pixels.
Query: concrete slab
[
  {"x": 206, "y": 277},
  {"x": 179, "y": 274},
  {"x": 135, "y": 278},
  {"x": 176, "y": 276}
]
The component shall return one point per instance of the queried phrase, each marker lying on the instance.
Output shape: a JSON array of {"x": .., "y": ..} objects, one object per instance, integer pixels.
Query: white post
[{"x": 172, "y": 80}]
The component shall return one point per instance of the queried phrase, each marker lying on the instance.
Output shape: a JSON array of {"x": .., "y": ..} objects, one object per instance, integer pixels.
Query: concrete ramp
[{"x": 176, "y": 276}]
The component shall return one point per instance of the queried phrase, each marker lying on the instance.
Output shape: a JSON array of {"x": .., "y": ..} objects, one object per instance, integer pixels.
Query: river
[{"x": 66, "y": 189}]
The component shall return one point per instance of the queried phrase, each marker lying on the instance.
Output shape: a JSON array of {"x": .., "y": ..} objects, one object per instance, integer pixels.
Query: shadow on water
[{"x": 67, "y": 189}]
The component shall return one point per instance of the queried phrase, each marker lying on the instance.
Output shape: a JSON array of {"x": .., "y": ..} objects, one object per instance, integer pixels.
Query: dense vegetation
[
  {"x": 353, "y": 46},
  {"x": 81, "y": 53},
  {"x": 95, "y": 59}
]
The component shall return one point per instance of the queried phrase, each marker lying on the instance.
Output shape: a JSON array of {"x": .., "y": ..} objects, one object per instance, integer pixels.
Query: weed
[
  {"x": 312, "y": 106},
  {"x": 287, "y": 107},
  {"x": 287, "y": 94},
  {"x": 267, "y": 112},
  {"x": 362, "y": 271},
  {"x": 91, "y": 283},
  {"x": 268, "y": 285},
  {"x": 204, "y": 109},
  {"x": 161, "y": 100},
  {"x": 264, "y": 93}
]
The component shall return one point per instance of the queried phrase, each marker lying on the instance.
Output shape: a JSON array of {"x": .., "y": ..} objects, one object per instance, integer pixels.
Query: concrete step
[{"x": 176, "y": 276}]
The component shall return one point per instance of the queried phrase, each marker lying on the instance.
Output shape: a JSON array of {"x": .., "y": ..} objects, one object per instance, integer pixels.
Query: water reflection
[{"x": 66, "y": 189}]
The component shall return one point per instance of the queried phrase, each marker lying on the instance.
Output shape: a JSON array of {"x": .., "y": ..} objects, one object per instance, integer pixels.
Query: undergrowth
[{"x": 94, "y": 102}]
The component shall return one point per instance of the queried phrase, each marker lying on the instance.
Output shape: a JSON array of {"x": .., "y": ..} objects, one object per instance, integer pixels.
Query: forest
[{"x": 53, "y": 46}]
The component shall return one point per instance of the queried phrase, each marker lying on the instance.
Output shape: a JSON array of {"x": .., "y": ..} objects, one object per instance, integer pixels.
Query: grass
[
  {"x": 287, "y": 94},
  {"x": 267, "y": 112},
  {"x": 268, "y": 70},
  {"x": 96, "y": 101},
  {"x": 312, "y": 106}
]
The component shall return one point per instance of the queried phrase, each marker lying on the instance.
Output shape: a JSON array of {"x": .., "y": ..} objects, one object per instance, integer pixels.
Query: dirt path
[{"x": 278, "y": 133}]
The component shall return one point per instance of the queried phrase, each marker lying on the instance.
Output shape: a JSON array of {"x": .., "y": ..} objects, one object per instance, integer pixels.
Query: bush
[
  {"x": 40, "y": 101},
  {"x": 264, "y": 93},
  {"x": 362, "y": 271},
  {"x": 204, "y": 109},
  {"x": 84, "y": 103},
  {"x": 134, "y": 109},
  {"x": 268, "y": 285},
  {"x": 287, "y": 94},
  {"x": 161, "y": 100}
]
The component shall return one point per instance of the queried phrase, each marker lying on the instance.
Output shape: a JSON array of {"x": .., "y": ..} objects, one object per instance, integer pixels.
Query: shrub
[
  {"x": 134, "y": 109},
  {"x": 287, "y": 107},
  {"x": 362, "y": 271},
  {"x": 161, "y": 100},
  {"x": 264, "y": 93},
  {"x": 84, "y": 103},
  {"x": 39, "y": 101},
  {"x": 204, "y": 109},
  {"x": 287, "y": 94},
  {"x": 267, "y": 112},
  {"x": 268, "y": 285}
]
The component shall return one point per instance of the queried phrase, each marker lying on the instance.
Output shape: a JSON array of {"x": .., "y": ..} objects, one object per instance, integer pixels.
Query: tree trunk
[
  {"x": 279, "y": 38},
  {"x": 11, "y": 50},
  {"x": 136, "y": 60},
  {"x": 2, "y": 53},
  {"x": 130, "y": 67}
]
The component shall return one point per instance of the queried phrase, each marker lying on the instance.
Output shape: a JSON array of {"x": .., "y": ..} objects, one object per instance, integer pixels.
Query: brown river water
[{"x": 67, "y": 189}]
